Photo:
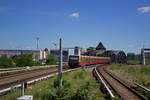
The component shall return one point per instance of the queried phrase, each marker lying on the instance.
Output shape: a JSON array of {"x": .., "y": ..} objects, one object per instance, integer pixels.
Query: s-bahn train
[{"x": 76, "y": 60}]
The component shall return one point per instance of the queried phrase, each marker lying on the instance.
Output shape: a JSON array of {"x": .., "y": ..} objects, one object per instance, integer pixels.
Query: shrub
[
  {"x": 23, "y": 60},
  {"x": 6, "y": 63},
  {"x": 81, "y": 88},
  {"x": 50, "y": 60}
]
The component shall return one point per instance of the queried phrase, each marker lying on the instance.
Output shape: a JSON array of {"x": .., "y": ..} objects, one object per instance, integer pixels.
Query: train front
[{"x": 73, "y": 61}]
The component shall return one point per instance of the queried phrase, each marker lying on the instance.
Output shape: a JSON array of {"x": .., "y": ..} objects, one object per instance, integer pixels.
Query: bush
[
  {"x": 133, "y": 62},
  {"x": 6, "y": 63},
  {"x": 23, "y": 60},
  {"x": 73, "y": 88},
  {"x": 50, "y": 60},
  {"x": 81, "y": 88}
]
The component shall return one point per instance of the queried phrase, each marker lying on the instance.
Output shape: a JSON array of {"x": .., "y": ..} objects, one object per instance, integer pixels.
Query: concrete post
[
  {"x": 144, "y": 63},
  {"x": 22, "y": 89},
  {"x": 60, "y": 65}
]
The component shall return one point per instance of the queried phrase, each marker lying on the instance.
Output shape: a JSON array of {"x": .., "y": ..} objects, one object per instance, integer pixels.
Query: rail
[
  {"x": 109, "y": 91},
  {"x": 35, "y": 80},
  {"x": 10, "y": 70},
  {"x": 123, "y": 84},
  {"x": 142, "y": 87}
]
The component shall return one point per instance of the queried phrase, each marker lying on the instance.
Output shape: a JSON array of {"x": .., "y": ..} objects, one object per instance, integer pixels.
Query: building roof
[{"x": 100, "y": 46}]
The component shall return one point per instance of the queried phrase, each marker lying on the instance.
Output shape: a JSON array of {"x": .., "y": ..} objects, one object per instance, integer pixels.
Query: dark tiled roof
[{"x": 100, "y": 46}]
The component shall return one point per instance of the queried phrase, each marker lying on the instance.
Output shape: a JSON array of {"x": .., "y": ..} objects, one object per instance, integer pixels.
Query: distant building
[
  {"x": 56, "y": 54},
  {"x": 77, "y": 51},
  {"x": 117, "y": 56},
  {"x": 37, "y": 54},
  {"x": 100, "y": 46},
  {"x": 83, "y": 50}
]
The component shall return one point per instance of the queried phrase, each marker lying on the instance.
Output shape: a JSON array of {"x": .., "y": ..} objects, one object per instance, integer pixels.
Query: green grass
[
  {"x": 77, "y": 85},
  {"x": 116, "y": 66},
  {"x": 133, "y": 62},
  {"x": 140, "y": 72}
]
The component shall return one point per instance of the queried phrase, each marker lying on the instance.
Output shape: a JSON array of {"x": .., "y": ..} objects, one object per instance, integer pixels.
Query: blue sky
[{"x": 118, "y": 24}]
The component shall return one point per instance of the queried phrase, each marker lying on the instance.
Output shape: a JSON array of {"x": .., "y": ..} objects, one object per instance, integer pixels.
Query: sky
[{"x": 118, "y": 24}]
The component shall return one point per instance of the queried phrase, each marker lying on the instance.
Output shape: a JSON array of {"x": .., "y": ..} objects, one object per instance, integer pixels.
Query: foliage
[
  {"x": 18, "y": 61},
  {"x": 133, "y": 59},
  {"x": 50, "y": 60},
  {"x": 24, "y": 60},
  {"x": 45, "y": 49},
  {"x": 116, "y": 66},
  {"x": 37, "y": 63},
  {"x": 147, "y": 61},
  {"x": 133, "y": 62},
  {"x": 140, "y": 72},
  {"x": 6, "y": 63},
  {"x": 81, "y": 88},
  {"x": 91, "y": 48},
  {"x": 130, "y": 56}
]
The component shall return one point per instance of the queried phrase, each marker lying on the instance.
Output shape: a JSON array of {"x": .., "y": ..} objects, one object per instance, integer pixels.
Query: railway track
[
  {"x": 7, "y": 82},
  {"x": 12, "y": 71},
  {"x": 11, "y": 80},
  {"x": 125, "y": 92}
]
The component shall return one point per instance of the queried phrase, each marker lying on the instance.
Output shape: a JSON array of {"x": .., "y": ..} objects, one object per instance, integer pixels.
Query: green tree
[
  {"x": 130, "y": 56},
  {"x": 6, "y": 63},
  {"x": 24, "y": 60},
  {"x": 50, "y": 60},
  {"x": 91, "y": 48},
  {"x": 45, "y": 49}
]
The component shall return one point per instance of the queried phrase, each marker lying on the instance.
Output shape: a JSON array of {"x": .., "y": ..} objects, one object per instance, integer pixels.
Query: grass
[
  {"x": 140, "y": 73},
  {"x": 77, "y": 85},
  {"x": 133, "y": 62}
]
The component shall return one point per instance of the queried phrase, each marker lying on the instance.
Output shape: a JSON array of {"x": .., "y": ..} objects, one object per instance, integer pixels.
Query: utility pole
[
  {"x": 60, "y": 65},
  {"x": 37, "y": 42},
  {"x": 144, "y": 63},
  {"x": 143, "y": 56}
]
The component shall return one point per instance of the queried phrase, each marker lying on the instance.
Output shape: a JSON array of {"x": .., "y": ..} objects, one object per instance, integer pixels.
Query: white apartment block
[{"x": 37, "y": 54}]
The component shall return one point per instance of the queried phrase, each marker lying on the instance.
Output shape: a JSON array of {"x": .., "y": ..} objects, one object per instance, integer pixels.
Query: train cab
[{"x": 73, "y": 61}]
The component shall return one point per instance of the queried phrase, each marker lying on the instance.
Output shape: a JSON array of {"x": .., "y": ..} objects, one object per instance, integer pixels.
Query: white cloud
[
  {"x": 145, "y": 9},
  {"x": 75, "y": 15}
]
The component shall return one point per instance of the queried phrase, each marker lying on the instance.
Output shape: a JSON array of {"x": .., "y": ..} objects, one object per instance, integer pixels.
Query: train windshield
[{"x": 73, "y": 58}]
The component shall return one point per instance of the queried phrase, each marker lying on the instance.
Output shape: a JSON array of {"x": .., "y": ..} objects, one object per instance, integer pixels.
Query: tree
[
  {"x": 6, "y": 63},
  {"x": 91, "y": 48},
  {"x": 130, "y": 56},
  {"x": 45, "y": 49},
  {"x": 50, "y": 60},
  {"x": 24, "y": 60}
]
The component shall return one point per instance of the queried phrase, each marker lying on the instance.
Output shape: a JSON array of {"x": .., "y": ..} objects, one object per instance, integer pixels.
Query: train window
[{"x": 73, "y": 58}]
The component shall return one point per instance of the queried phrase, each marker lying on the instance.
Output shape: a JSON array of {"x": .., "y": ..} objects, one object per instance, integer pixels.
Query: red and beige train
[{"x": 76, "y": 60}]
